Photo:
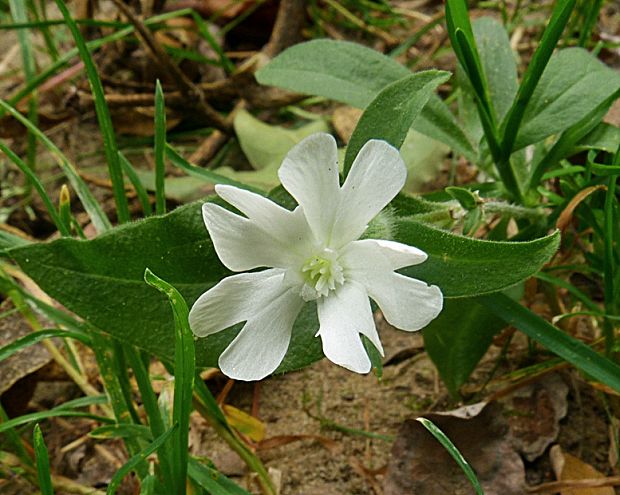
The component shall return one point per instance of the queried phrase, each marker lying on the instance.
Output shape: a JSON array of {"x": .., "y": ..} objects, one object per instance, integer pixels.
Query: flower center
[{"x": 322, "y": 273}]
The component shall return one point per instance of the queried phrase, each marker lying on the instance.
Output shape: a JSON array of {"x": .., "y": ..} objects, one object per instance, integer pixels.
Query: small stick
[{"x": 191, "y": 92}]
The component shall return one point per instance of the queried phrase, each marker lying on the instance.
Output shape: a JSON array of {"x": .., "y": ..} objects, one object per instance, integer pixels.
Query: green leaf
[
  {"x": 264, "y": 145},
  {"x": 465, "y": 197},
  {"x": 567, "y": 141},
  {"x": 458, "y": 338},
  {"x": 603, "y": 137},
  {"x": 177, "y": 247},
  {"x": 332, "y": 69},
  {"x": 568, "y": 348},
  {"x": 573, "y": 85},
  {"x": 423, "y": 157},
  {"x": 498, "y": 62},
  {"x": 390, "y": 115},
  {"x": 513, "y": 120},
  {"x": 464, "y": 267},
  {"x": 43, "y": 462}
]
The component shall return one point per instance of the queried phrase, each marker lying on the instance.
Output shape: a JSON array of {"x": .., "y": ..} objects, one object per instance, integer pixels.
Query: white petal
[
  {"x": 262, "y": 343},
  {"x": 376, "y": 176},
  {"x": 360, "y": 254},
  {"x": 235, "y": 299},
  {"x": 241, "y": 244},
  {"x": 343, "y": 315},
  {"x": 288, "y": 227},
  {"x": 310, "y": 173},
  {"x": 406, "y": 303}
]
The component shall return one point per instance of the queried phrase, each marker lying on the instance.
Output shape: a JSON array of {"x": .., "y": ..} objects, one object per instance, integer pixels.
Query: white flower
[{"x": 313, "y": 253}]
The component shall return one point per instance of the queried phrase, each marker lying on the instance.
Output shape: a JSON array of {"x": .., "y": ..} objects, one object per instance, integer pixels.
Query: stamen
[{"x": 322, "y": 273}]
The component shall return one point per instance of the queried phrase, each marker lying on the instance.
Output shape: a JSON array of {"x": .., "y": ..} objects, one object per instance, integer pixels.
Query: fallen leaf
[
  {"x": 567, "y": 467},
  {"x": 420, "y": 465},
  {"x": 534, "y": 413},
  {"x": 266, "y": 145},
  {"x": 25, "y": 361},
  {"x": 244, "y": 423}
]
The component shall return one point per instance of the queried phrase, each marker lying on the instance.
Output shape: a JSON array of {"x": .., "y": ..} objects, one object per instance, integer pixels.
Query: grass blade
[
  {"x": 156, "y": 423},
  {"x": 19, "y": 14},
  {"x": 47, "y": 35},
  {"x": 131, "y": 174},
  {"x": 36, "y": 183},
  {"x": 212, "y": 480},
  {"x": 138, "y": 459},
  {"x": 13, "y": 438},
  {"x": 43, "y": 462},
  {"x": 33, "y": 338},
  {"x": 121, "y": 431},
  {"x": 549, "y": 40},
  {"x": 589, "y": 22},
  {"x": 609, "y": 255},
  {"x": 92, "y": 207},
  {"x": 207, "y": 175},
  {"x": 203, "y": 29},
  {"x": 103, "y": 116},
  {"x": 54, "y": 413},
  {"x": 160, "y": 144},
  {"x": 441, "y": 437},
  {"x": 184, "y": 364},
  {"x": 543, "y": 332}
]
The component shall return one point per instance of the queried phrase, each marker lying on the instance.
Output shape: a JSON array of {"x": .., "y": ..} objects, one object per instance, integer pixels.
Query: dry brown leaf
[
  {"x": 567, "y": 467},
  {"x": 534, "y": 414},
  {"x": 250, "y": 426},
  {"x": 420, "y": 465},
  {"x": 24, "y": 362},
  {"x": 567, "y": 214}
]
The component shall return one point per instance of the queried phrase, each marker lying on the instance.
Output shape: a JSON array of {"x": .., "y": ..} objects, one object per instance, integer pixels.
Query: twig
[
  {"x": 191, "y": 92},
  {"x": 287, "y": 27},
  {"x": 214, "y": 142}
]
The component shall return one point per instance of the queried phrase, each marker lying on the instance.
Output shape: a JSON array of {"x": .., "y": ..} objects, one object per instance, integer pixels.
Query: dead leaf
[
  {"x": 534, "y": 414},
  {"x": 27, "y": 360},
  {"x": 420, "y": 465},
  {"x": 567, "y": 214},
  {"x": 567, "y": 467},
  {"x": 250, "y": 426}
]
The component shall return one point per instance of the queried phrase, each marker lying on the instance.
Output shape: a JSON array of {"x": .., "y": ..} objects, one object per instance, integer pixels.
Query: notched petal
[
  {"x": 377, "y": 175},
  {"x": 235, "y": 299},
  {"x": 241, "y": 244},
  {"x": 261, "y": 345},
  {"x": 309, "y": 173}
]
